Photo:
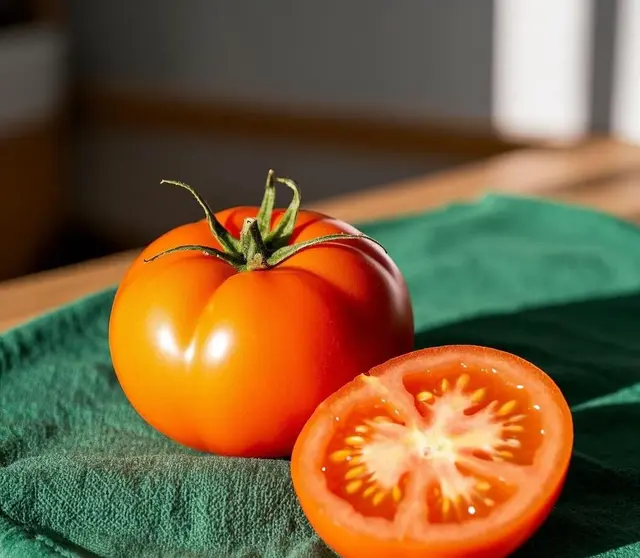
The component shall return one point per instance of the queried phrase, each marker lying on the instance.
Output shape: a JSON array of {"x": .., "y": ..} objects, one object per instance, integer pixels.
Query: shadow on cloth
[{"x": 592, "y": 350}]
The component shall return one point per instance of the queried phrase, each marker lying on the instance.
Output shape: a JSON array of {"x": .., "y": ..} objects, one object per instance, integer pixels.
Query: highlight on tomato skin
[{"x": 454, "y": 451}]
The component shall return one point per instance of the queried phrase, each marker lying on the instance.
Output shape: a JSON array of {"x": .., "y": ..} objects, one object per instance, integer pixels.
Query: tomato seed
[
  {"x": 356, "y": 472},
  {"x": 340, "y": 455},
  {"x": 506, "y": 408},
  {"x": 377, "y": 499},
  {"x": 369, "y": 491},
  {"x": 396, "y": 494},
  {"x": 446, "y": 506},
  {"x": 463, "y": 381},
  {"x": 478, "y": 395},
  {"x": 513, "y": 428},
  {"x": 354, "y": 440}
]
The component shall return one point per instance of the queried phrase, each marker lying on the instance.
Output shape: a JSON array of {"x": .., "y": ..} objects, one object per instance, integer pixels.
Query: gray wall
[
  {"x": 410, "y": 59},
  {"x": 414, "y": 58},
  {"x": 117, "y": 177}
]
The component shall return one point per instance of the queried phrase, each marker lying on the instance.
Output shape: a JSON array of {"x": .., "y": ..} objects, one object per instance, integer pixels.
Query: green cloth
[{"x": 82, "y": 475}]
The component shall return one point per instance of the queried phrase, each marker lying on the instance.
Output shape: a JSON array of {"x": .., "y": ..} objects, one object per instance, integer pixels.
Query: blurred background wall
[
  {"x": 117, "y": 95},
  {"x": 378, "y": 61}
]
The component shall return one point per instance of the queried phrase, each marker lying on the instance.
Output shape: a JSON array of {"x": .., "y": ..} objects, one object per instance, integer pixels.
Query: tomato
[
  {"x": 455, "y": 451},
  {"x": 226, "y": 333}
]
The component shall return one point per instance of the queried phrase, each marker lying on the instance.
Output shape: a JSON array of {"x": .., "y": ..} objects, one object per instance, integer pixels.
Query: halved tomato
[{"x": 456, "y": 451}]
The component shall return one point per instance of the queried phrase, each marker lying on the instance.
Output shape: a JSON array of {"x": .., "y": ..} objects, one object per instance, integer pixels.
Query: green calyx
[{"x": 260, "y": 246}]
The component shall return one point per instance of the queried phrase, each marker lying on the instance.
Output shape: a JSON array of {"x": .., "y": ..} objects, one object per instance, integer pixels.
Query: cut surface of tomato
[{"x": 451, "y": 451}]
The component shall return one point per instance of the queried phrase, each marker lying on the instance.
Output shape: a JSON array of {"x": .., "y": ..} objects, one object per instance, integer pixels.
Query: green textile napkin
[{"x": 82, "y": 475}]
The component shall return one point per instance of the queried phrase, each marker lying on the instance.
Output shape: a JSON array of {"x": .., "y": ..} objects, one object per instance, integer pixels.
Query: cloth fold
[{"x": 82, "y": 475}]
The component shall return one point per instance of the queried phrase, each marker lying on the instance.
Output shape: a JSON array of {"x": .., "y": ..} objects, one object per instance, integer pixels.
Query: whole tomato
[{"x": 226, "y": 333}]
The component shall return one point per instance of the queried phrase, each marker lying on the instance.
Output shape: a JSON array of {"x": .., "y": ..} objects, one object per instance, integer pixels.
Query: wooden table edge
[{"x": 548, "y": 173}]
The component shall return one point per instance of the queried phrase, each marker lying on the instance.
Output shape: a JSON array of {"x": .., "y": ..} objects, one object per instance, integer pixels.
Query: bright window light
[
  {"x": 542, "y": 61},
  {"x": 625, "y": 113}
]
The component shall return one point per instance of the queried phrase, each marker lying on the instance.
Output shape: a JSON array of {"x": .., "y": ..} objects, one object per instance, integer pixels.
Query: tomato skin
[
  {"x": 234, "y": 363},
  {"x": 348, "y": 542}
]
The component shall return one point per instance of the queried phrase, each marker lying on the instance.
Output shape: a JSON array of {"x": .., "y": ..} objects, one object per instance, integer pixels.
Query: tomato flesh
[{"x": 454, "y": 451}]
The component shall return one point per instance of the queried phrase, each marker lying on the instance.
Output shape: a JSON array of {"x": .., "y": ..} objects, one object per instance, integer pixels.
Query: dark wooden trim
[
  {"x": 49, "y": 11},
  {"x": 151, "y": 111},
  {"x": 33, "y": 162}
]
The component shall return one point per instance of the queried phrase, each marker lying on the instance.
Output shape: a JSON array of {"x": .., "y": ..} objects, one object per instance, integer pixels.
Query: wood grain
[
  {"x": 24, "y": 298},
  {"x": 601, "y": 174},
  {"x": 589, "y": 175}
]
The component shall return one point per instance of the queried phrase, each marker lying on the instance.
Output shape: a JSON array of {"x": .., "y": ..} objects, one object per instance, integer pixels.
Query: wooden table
[{"x": 600, "y": 173}]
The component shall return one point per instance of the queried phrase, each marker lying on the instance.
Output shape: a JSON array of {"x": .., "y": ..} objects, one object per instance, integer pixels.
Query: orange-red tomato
[
  {"x": 456, "y": 451},
  {"x": 233, "y": 357}
]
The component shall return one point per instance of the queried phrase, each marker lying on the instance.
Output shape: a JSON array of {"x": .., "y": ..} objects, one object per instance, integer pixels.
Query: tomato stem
[
  {"x": 207, "y": 250},
  {"x": 259, "y": 246},
  {"x": 281, "y": 235},
  {"x": 221, "y": 234},
  {"x": 256, "y": 253},
  {"x": 286, "y": 252},
  {"x": 266, "y": 207}
]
